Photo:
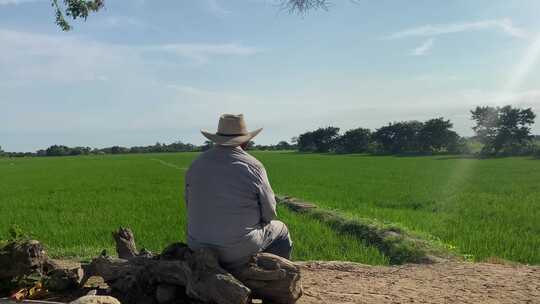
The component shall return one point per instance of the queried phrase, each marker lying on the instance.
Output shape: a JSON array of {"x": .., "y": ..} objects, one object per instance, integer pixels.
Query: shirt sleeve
[{"x": 267, "y": 199}]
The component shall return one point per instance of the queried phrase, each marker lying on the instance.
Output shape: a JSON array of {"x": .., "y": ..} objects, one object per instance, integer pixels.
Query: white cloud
[
  {"x": 504, "y": 25},
  {"x": 423, "y": 49},
  {"x": 117, "y": 21},
  {"x": 29, "y": 56},
  {"x": 201, "y": 52},
  {"x": 215, "y": 8},
  {"x": 16, "y": 2},
  {"x": 60, "y": 58}
]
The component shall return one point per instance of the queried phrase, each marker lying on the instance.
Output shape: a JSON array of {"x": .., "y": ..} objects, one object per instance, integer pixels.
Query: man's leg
[{"x": 277, "y": 239}]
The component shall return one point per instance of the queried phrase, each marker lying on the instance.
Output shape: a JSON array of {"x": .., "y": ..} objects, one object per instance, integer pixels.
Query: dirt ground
[{"x": 450, "y": 282}]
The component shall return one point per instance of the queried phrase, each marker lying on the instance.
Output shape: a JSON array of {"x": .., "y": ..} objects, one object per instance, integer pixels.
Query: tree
[
  {"x": 436, "y": 135},
  {"x": 57, "y": 150},
  {"x": 74, "y": 9},
  {"x": 505, "y": 130},
  {"x": 354, "y": 141},
  {"x": 81, "y": 9},
  {"x": 119, "y": 150},
  {"x": 320, "y": 140},
  {"x": 283, "y": 145},
  {"x": 80, "y": 151},
  {"x": 487, "y": 120},
  {"x": 305, "y": 142},
  {"x": 399, "y": 137}
]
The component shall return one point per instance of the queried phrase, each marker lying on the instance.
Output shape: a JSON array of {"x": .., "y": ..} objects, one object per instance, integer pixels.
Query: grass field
[{"x": 484, "y": 208}]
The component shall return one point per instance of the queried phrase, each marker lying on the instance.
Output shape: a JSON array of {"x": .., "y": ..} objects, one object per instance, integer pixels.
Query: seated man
[{"x": 230, "y": 203}]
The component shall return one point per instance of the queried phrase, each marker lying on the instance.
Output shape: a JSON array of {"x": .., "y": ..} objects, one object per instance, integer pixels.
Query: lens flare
[{"x": 521, "y": 71}]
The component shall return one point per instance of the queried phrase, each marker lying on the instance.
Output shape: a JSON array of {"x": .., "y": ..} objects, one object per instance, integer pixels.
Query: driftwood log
[
  {"x": 271, "y": 278},
  {"x": 180, "y": 274},
  {"x": 176, "y": 275},
  {"x": 198, "y": 275},
  {"x": 20, "y": 258}
]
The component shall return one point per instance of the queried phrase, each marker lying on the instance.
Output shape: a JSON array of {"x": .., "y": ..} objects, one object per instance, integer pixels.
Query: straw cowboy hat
[{"x": 231, "y": 131}]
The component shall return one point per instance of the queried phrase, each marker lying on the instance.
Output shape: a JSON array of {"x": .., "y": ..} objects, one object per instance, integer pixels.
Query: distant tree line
[
  {"x": 501, "y": 130},
  {"x": 434, "y": 135},
  {"x": 280, "y": 146},
  {"x": 179, "y": 146},
  {"x": 60, "y": 150}
]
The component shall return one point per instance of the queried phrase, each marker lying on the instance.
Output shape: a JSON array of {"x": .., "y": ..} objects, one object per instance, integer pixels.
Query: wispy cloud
[
  {"x": 424, "y": 48},
  {"x": 201, "y": 52},
  {"x": 215, "y": 8},
  {"x": 30, "y": 56},
  {"x": 16, "y": 2},
  {"x": 504, "y": 25},
  {"x": 117, "y": 21}
]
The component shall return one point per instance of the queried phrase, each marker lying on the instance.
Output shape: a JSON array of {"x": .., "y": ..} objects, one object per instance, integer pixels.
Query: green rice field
[{"x": 482, "y": 208}]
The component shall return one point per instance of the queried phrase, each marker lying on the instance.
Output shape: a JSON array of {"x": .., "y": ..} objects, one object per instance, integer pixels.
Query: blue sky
[{"x": 141, "y": 71}]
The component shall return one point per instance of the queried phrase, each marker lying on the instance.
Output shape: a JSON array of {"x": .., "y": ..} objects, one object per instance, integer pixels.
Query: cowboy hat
[{"x": 231, "y": 131}]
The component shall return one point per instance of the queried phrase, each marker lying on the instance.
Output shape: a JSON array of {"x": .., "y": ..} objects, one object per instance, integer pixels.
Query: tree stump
[
  {"x": 271, "y": 278},
  {"x": 63, "y": 275},
  {"x": 125, "y": 243},
  {"x": 22, "y": 257},
  {"x": 177, "y": 275},
  {"x": 142, "y": 278},
  {"x": 138, "y": 278}
]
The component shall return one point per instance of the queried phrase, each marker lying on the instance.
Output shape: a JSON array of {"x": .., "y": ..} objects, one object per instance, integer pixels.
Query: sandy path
[{"x": 452, "y": 282}]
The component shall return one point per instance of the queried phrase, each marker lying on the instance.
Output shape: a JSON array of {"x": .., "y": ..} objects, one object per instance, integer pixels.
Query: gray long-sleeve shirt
[{"x": 229, "y": 200}]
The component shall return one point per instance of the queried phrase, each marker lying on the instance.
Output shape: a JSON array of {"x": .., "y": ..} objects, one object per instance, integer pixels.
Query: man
[{"x": 230, "y": 204}]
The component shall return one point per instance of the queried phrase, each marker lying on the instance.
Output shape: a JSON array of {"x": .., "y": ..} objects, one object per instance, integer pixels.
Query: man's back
[
  {"x": 228, "y": 199},
  {"x": 231, "y": 205}
]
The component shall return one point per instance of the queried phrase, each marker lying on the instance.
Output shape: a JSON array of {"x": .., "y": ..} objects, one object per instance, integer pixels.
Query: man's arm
[{"x": 267, "y": 199}]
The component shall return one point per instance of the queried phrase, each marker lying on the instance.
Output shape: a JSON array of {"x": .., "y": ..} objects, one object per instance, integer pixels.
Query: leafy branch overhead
[{"x": 74, "y": 9}]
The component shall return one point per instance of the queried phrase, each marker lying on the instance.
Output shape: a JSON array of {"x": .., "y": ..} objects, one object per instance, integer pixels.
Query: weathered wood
[
  {"x": 271, "y": 278},
  {"x": 108, "y": 268},
  {"x": 136, "y": 280},
  {"x": 211, "y": 283},
  {"x": 178, "y": 274},
  {"x": 95, "y": 284},
  {"x": 125, "y": 243},
  {"x": 22, "y": 257},
  {"x": 25, "y": 257},
  {"x": 63, "y": 274}
]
